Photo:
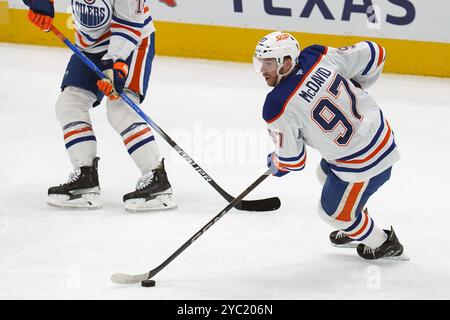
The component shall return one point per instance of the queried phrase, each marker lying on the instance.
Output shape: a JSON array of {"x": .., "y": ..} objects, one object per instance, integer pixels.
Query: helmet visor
[{"x": 265, "y": 64}]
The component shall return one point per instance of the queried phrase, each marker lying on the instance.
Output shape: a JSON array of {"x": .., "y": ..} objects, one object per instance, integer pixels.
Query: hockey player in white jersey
[
  {"x": 118, "y": 36},
  {"x": 319, "y": 100}
]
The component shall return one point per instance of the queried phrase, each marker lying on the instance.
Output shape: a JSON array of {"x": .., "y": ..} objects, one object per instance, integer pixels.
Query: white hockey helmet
[{"x": 277, "y": 45}]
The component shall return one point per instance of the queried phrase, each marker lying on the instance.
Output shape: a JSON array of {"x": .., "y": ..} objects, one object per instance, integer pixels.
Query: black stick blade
[{"x": 269, "y": 204}]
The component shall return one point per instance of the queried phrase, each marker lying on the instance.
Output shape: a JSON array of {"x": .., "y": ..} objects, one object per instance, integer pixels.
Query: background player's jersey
[
  {"x": 116, "y": 26},
  {"x": 322, "y": 103}
]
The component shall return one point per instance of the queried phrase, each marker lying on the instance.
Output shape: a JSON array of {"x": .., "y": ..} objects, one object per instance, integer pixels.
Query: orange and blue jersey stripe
[
  {"x": 380, "y": 147},
  {"x": 375, "y": 51},
  {"x": 296, "y": 163},
  {"x": 344, "y": 201},
  {"x": 131, "y": 31},
  {"x": 361, "y": 228},
  {"x": 140, "y": 64},
  {"x": 85, "y": 41}
]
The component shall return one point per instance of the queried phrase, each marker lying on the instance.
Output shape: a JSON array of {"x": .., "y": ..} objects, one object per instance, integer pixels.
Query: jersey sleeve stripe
[
  {"x": 372, "y": 58},
  {"x": 120, "y": 26},
  {"x": 296, "y": 165},
  {"x": 124, "y": 35},
  {"x": 381, "y": 55},
  {"x": 132, "y": 24},
  {"x": 297, "y": 158}
]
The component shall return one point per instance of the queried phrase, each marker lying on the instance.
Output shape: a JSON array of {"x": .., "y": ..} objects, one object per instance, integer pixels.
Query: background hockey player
[
  {"x": 319, "y": 100},
  {"x": 118, "y": 36}
]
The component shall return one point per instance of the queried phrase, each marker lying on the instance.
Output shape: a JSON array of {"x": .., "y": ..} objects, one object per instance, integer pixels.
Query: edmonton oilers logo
[{"x": 91, "y": 13}]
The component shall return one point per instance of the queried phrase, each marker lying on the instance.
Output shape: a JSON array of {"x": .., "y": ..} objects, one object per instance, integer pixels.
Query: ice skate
[
  {"x": 153, "y": 193},
  {"x": 81, "y": 191},
  {"x": 340, "y": 239},
  {"x": 390, "y": 249}
]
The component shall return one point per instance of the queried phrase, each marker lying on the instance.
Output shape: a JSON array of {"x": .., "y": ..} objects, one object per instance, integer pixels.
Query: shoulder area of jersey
[
  {"x": 310, "y": 54},
  {"x": 275, "y": 100},
  {"x": 278, "y": 98}
]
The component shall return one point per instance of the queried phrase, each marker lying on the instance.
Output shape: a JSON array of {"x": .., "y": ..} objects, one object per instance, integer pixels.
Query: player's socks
[
  {"x": 153, "y": 192},
  {"x": 340, "y": 239},
  {"x": 82, "y": 190}
]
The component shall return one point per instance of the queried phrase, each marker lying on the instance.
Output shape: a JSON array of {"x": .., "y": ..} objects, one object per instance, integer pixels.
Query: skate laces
[
  {"x": 340, "y": 234},
  {"x": 73, "y": 176},
  {"x": 368, "y": 250},
  {"x": 144, "y": 181}
]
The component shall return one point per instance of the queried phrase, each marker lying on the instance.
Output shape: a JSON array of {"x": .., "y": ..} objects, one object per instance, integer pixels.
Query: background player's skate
[
  {"x": 153, "y": 192},
  {"x": 82, "y": 190}
]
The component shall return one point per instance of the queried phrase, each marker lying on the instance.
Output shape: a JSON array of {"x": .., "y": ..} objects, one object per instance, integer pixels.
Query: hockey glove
[
  {"x": 41, "y": 13},
  {"x": 273, "y": 168},
  {"x": 116, "y": 75}
]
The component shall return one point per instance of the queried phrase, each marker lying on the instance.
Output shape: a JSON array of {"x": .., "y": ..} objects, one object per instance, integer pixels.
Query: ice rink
[{"x": 213, "y": 111}]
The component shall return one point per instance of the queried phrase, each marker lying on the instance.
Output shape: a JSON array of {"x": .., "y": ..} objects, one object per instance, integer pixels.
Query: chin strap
[{"x": 280, "y": 76}]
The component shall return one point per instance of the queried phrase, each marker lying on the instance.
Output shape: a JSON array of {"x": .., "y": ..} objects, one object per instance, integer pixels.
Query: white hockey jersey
[
  {"x": 322, "y": 104},
  {"x": 115, "y": 26}
]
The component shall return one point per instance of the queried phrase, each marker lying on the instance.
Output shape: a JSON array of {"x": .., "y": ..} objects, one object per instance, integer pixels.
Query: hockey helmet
[{"x": 277, "y": 45}]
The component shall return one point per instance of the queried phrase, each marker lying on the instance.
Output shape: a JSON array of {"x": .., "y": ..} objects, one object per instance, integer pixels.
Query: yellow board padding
[
  {"x": 20, "y": 30},
  {"x": 237, "y": 44},
  {"x": 4, "y": 14}
]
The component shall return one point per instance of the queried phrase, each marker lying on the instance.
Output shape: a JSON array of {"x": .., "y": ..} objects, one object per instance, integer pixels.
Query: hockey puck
[{"x": 148, "y": 283}]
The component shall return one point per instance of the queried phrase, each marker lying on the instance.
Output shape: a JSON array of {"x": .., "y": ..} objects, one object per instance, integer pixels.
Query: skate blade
[
  {"x": 88, "y": 201},
  {"x": 350, "y": 245},
  {"x": 162, "y": 202},
  {"x": 402, "y": 257}
]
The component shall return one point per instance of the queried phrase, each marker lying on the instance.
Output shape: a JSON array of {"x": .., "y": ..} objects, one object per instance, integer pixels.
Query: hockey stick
[
  {"x": 123, "y": 278},
  {"x": 268, "y": 204}
]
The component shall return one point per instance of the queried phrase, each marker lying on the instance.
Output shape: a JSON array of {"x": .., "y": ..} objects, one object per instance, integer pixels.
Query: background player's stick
[
  {"x": 122, "y": 278},
  {"x": 248, "y": 205}
]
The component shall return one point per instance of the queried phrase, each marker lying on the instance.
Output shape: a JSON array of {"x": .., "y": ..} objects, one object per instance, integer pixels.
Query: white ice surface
[{"x": 212, "y": 109}]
